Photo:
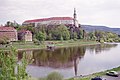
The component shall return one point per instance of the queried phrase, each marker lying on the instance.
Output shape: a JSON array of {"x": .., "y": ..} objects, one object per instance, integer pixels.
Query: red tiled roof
[
  {"x": 24, "y": 31},
  {"x": 47, "y": 19},
  {"x": 5, "y": 28}
]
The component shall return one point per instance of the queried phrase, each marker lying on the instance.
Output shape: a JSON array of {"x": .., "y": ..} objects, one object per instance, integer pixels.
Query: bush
[
  {"x": 9, "y": 64},
  {"x": 75, "y": 39},
  {"x": 40, "y": 36},
  {"x": 54, "y": 76},
  {"x": 4, "y": 40},
  {"x": 42, "y": 78},
  {"x": 102, "y": 41},
  {"x": 37, "y": 42},
  {"x": 110, "y": 40}
]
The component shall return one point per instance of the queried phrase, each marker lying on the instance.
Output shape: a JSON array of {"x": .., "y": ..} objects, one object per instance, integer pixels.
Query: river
[{"x": 73, "y": 61}]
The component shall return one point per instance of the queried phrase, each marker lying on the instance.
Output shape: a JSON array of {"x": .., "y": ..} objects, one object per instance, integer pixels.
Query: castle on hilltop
[{"x": 68, "y": 21}]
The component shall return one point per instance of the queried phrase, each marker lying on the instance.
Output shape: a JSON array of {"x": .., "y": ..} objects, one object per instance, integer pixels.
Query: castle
[{"x": 68, "y": 21}]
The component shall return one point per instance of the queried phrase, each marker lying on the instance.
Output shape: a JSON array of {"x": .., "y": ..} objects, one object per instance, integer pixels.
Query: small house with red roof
[
  {"x": 9, "y": 32},
  {"x": 25, "y": 35}
]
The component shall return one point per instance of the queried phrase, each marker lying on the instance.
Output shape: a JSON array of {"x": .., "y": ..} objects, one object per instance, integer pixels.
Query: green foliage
[
  {"x": 64, "y": 32},
  {"x": 60, "y": 31},
  {"x": 10, "y": 69},
  {"x": 80, "y": 35},
  {"x": 49, "y": 36},
  {"x": 4, "y": 40},
  {"x": 102, "y": 36},
  {"x": 101, "y": 40},
  {"x": 40, "y": 36},
  {"x": 75, "y": 35},
  {"x": 92, "y": 36},
  {"x": 54, "y": 32},
  {"x": 61, "y": 38},
  {"x": 12, "y": 24},
  {"x": 29, "y": 27},
  {"x": 54, "y": 76},
  {"x": 37, "y": 42},
  {"x": 42, "y": 79}
]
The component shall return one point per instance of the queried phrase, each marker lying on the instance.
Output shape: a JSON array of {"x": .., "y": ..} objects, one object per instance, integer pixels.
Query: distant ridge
[{"x": 90, "y": 28}]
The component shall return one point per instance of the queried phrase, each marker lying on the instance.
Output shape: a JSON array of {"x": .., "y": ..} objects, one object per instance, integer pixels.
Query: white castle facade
[{"x": 54, "y": 21}]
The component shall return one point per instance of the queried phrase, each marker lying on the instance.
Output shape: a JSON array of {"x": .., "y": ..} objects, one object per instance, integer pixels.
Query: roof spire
[{"x": 75, "y": 15}]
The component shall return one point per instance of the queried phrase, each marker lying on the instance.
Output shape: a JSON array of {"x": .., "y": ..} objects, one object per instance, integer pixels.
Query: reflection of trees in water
[
  {"x": 59, "y": 58},
  {"x": 101, "y": 47},
  {"x": 63, "y": 57},
  {"x": 29, "y": 54}
]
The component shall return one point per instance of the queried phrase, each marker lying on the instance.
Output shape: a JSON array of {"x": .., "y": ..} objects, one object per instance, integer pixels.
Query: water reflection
[
  {"x": 63, "y": 58},
  {"x": 101, "y": 47}
]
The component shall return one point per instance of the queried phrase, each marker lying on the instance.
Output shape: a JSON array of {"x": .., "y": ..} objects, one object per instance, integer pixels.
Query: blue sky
[{"x": 92, "y": 12}]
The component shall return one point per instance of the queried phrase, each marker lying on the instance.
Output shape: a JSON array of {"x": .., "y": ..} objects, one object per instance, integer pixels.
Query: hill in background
[{"x": 90, "y": 28}]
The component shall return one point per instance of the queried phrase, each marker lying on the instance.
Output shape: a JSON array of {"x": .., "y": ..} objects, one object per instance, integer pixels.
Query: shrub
[
  {"x": 42, "y": 78},
  {"x": 75, "y": 39},
  {"x": 101, "y": 40},
  {"x": 9, "y": 66},
  {"x": 37, "y": 42},
  {"x": 54, "y": 76}
]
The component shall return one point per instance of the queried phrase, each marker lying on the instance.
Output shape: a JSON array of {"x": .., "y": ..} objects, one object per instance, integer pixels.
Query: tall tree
[{"x": 40, "y": 36}]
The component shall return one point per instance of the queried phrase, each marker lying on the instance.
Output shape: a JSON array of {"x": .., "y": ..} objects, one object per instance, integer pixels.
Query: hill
[{"x": 90, "y": 28}]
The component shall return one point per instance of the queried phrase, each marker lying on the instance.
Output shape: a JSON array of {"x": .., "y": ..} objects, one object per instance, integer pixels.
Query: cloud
[{"x": 99, "y": 12}]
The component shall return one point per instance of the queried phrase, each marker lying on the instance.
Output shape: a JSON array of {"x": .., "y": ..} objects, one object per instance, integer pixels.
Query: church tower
[{"x": 75, "y": 18}]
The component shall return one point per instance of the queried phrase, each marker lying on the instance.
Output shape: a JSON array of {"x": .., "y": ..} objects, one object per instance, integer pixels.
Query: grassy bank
[
  {"x": 95, "y": 74},
  {"x": 58, "y": 44}
]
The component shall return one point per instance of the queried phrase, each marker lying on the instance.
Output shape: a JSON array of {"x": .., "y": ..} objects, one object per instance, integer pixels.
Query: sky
[{"x": 89, "y": 12}]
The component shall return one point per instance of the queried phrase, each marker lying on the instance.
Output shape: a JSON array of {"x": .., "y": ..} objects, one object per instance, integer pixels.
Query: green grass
[
  {"x": 58, "y": 44},
  {"x": 72, "y": 43}
]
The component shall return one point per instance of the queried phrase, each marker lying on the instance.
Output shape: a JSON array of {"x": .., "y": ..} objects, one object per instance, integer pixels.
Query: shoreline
[
  {"x": 56, "y": 47},
  {"x": 88, "y": 77},
  {"x": 66, "y": 44},
  {"x": 57, "y": 44}
]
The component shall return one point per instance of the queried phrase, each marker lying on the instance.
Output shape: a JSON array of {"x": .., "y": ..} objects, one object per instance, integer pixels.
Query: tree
[
  {"x": 59, "y": 32},
  {"x": 49, "y": 36},
  {"x": 40, "y": 36},
  {"x": 4, "y": 40},
  {"x": 102, "y": 36},
  {"x": 64, "y": 32},
  {"x": 12, "y": 24},
  {"x": 75, "y": 36},
  {"x": 92, "y": 36},
  {"x": 29, "y": 27},
  {"x": 9, "y": 65},
  {"x": 80, "y": 34}
]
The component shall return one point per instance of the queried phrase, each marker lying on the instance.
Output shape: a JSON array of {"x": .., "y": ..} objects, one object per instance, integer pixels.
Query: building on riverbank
[
  {"x": 68, "y": 21},
  {"x": 9, "y": 32},
  {"x": 24, "y": 35}
]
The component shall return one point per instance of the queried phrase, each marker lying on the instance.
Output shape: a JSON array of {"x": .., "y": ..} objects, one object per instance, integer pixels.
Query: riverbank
[
  {"x": 57, "y": 44},
  {"x": 88, "y": 77}
]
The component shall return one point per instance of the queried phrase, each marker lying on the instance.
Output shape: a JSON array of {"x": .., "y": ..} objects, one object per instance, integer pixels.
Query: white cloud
[{"x": 99, "y": 12}]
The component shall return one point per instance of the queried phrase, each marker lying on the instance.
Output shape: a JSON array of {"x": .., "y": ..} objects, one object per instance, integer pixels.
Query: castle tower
[
  {"x": 75, "y": 15},
  {"x": 75, "y": 18}
]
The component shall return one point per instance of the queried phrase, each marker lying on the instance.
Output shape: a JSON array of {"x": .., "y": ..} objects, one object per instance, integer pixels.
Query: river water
[{"x": 73, "y": 61}]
